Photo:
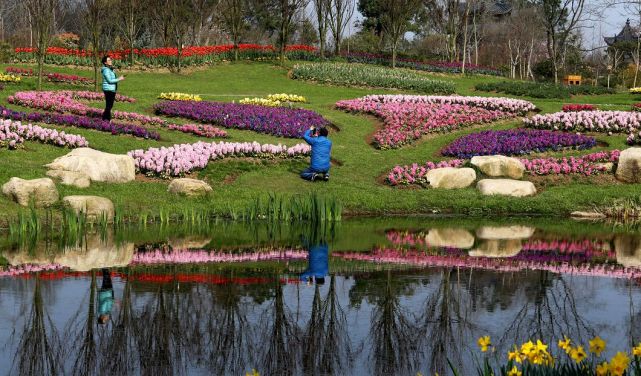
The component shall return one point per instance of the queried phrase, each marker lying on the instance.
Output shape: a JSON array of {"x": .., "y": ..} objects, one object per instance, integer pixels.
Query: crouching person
[{"x": 321, "y": 150}]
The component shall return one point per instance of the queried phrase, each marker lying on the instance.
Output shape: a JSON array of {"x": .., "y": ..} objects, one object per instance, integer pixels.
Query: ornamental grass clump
[
  {"x": 181, "y": 159},
  {"x": 515, "y": 142},
  {"x": 407, "y": 118},
  {"x": 14, "y": 133},
  {"x": 277, "y": 121},
  {"x": 610, "y": 122},
  {"x": 372, "y": 76}
]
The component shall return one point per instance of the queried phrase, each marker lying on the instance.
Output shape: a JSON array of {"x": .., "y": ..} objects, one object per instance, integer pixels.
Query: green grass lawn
[{"x": 355, "y": 182}]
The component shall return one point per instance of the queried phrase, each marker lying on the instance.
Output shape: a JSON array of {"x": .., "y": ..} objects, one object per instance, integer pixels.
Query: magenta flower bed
[
  {"x": 407, "y": 118},
  {"x": 203, "y": 130},
  {"x": 14, "y": 133},
  {"x": 515, "y": 142},
  {"x": 80, "y": 122},
  {"x": 277, "y": 121},
  {"x": 415, "y": 174},
  {"x": 578, "y": 107},
  {"x": 590, "y": 164},
  {"x": 190, "y": 256},
  {"x": 184, "y": 158}
]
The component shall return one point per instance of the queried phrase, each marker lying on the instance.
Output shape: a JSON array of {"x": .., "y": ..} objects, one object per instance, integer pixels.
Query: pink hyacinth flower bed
[
  {"x": 407, "y": 118},
  {"x": 203, "y": 130},
  {"x": 180, "y": 159},
  {"x": 455, "y": 260},
  {"x": 14, "y": 133},
  {"x": 415, "y": 173},
  {"x": 13, "y": 271},
  {"x": 182, "y": 256}
]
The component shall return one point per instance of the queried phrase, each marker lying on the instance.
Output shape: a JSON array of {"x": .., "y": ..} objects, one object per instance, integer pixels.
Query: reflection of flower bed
[
  {"x": 12, "y": 134},
  {"x": 277, "y": 121},
  {"x": 515, "y": 142},
  {"x": 13, "y": 271},
  {"x": 204, "y": 256},
  {"x": 408, "y": 117},
  {"x": 552, "y": 263},
  {"x": 184, "y": 158}
]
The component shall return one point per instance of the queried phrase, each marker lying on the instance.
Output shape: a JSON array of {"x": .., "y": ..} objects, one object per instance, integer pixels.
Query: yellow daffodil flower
[
  {"x": 484, "y": 343},
  {"x": 636, "y": 351},
  {"x": 565, "y": 344},
  {"x": 514, "y": 372},
  {"x": 619, "y": 363},
  {"x": 602, "y": 369},
  {"x": 578, "y": 354},
  {"x": 597, "y": 345},
  {"x": 180, "y": 97},
  {"x": 252, "y": 373},
  {"x": 515, "y": 355},
  {"x": 527, "y": 348}
]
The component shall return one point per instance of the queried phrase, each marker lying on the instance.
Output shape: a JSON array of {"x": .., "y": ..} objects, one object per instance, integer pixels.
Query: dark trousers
[
  {"x": 308, "y": 173},
  {"x": 106, "y": 280},
  {"x": 110, "y": 97}
]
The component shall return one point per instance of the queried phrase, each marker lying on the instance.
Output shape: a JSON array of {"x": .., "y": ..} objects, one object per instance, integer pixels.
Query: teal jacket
[{"x": 109, "y": 80}]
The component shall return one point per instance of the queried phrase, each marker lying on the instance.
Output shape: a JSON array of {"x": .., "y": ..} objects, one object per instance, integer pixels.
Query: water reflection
[{"x": 407, "y": 299}]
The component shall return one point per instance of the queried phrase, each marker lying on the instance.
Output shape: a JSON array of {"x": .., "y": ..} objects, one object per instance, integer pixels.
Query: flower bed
[
  {"x": 282, "y": 122},
  {"x": 180, "y": 97},
  {"x": 578, "y": 107},
  {"x": 166, "y": 56},
  {"x": 542, "y": 90},
  {"x": 274, "y": 100},
  {"x": 364, "y": 75},
  {"x": 14, "y": 133},
  {"x": 635, "y": 90},
  {"x": 9, "y": 78},
  {"x": 80, "y": 122},
  {"x": 184, "y": 158},
  {"x": 515, "y": 142},
  {"x": 588, "y": 121},
  {"x": 409, "y": 117},
  {"x": 428, "y": 66},
  {"x": 19, "y": 71},
  {"x": 590, "y": 164},
  {"x": 203, "y": 130},
  {"x": 415, "y": 174},
  {"x": 71, "y": 79},
  {"x": 183, "y": 256}
]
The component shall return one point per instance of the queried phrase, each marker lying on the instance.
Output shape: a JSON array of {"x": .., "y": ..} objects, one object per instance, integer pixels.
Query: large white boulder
[
  {"x": 497, "y": 248},
  {"x": 94, "y": 207},
  {"x": 450, "y": 237},
  {"x": 189, "y": 187},
  {"x": 96, "y": 253},
  {"x": 499, "y": 166},
  {"x": 504, "y": 232},
  {"x": 629, "y": 167},
  {"x": 76, "y": 179},
  {"x": 450, "y": 177},
  {"x": 506, "y": 187},
  {"x": 99, "y": 166},
  {"x": 628, "y": 250},
  {"x": 42, "y": 192}
]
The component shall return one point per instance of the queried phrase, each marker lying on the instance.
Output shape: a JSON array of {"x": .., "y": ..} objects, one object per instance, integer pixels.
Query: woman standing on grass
[{"x": 109, "y": 86}]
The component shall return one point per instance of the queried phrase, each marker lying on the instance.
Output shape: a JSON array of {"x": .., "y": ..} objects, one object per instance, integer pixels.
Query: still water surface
[{"x": 385, "y": 297}]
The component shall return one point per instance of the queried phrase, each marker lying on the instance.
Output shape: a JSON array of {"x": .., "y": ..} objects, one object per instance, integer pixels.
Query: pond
[{"x": 364, "y": 296}]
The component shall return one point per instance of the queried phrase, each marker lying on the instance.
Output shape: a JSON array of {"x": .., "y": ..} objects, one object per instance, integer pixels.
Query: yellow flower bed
[
  {"x": 635, "y": 90},
  {"x": 260, "y": 102},
  {"x": 287, "y": 98},
  {"x": 9, "y": 78},
  {"x": 180, "y": 97}
]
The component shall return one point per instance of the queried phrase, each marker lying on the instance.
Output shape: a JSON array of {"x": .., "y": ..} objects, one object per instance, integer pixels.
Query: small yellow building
[{"x": 572, "y": 80}]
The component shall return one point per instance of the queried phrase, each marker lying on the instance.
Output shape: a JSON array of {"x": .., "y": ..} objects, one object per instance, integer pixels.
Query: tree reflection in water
[
  {"x": 80, "y": 334},
  {"x": 39, "y": 350}
]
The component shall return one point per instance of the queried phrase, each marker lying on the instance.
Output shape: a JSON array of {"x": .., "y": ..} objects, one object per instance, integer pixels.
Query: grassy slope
[{"x": 355, "y": 182}]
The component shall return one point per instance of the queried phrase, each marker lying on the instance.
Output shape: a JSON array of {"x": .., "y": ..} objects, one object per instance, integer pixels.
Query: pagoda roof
[
  {"x": 627, "y": 34},
  {"x": 491, "y": 7}
]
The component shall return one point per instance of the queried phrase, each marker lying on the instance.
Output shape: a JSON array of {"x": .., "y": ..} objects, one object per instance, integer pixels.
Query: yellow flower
[
  {"x": 252, "y": 373},
  {"x": 635, "y": 90},
  {"x": 484, "y": 343},
  {"x": 578, "y": 354},
  {"x": 515, "y": 355},
  {"x": 636, "y": 351},
  {"x": 514, "y": 372},
  {"x": 602, "y": 369},
  {"x": 565, "y": 344},
  {"x": 527, "y": 348},
  {"x": 597, "y": 345},
  {"x": 619, "y": 363}
]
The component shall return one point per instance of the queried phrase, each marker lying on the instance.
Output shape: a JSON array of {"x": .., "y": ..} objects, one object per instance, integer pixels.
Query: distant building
[
  {"x": 623, "y": 44},
  {"x": 497, "y": 9},
  {"x": 627, "y": 34}
]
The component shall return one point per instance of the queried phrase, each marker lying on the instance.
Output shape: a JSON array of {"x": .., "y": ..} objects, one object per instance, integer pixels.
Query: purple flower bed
[
  {"x": 277, "y": 121},
  {"x": 515, "y": 142},
  {"x": 80, "y": 122}
]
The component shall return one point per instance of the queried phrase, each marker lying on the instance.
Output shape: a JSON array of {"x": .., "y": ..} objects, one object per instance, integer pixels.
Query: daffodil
[
  {"x": 514, "y": 372},
  {"x": 565, "y": 344},
  {"x": 484, "y": 343},
  {"x": 597, "y": 345},
  {"x": 619, "y": 363},
  {"x": 252, "y": 373},
  {"x": 602, "y": 369},
  {"x": 578, "y": 354},
  {"x": 515, "y": 355},
  {"x": 636, "y": 351}
]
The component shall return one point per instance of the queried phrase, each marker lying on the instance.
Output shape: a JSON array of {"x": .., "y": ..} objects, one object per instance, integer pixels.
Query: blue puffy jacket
[
  {"x": 321, "y": 149},
  {"x": 109, "y": 80},
  {"x": 318, "y": 259}
]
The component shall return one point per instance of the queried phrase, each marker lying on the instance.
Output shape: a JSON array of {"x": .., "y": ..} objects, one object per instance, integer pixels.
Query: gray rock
[
  {"x": 99, "y": 166},
  {"x": 450, "y": 177},
  {"x": 75, "y": 179},
  {"x": 94, "y": 207},
  {"x": 42, "y": 192},
  {"x": 189, "y": 187},
  {"x": 499, "y": 166}
]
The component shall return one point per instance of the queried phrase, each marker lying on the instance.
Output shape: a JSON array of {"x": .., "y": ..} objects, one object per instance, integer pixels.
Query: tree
[
  {"x": 340, "y": 13},
  {"x": 233, "y": 14},
  {"x": 395, "y": 20},
  {"x": 95, "y": 12},
  {"x": 560, "y": 19},
  {"x": 321, "y": 9},
  {"x": 131, "y": 21},
  {"x": 287, "y": 11},
  {"x": 41, "y": 13}
]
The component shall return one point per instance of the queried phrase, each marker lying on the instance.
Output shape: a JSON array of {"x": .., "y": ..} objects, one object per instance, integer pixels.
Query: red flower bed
[{"x": 578, "y": 107}]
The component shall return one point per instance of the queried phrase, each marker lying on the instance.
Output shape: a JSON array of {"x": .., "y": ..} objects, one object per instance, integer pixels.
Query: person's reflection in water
[
  {"x": 318, "y": 267},
  {"x": 105, "y": 297}
]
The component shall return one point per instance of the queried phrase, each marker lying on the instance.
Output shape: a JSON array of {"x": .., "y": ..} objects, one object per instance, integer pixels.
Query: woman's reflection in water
[
  {"x": 318, "y": 263},
  {"x": 105, "y": 297}
]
